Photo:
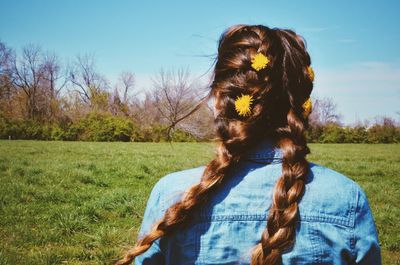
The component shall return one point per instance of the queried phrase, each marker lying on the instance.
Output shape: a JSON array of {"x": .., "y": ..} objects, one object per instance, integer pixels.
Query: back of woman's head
[
  {"x": 280, "y": 88},
  {"x": 261, "y": 87}
]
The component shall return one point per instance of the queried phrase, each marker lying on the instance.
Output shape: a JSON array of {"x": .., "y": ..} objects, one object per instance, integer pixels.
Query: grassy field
[{"x": 80, "y": 202}]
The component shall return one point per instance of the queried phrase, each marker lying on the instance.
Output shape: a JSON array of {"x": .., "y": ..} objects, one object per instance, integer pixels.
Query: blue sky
[{"x": 353, "y": 44}]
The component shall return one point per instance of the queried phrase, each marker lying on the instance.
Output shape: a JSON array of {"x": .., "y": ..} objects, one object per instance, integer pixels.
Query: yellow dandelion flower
[
  {"x": 243, "y": 104},
  {"x": 259, "y": 61},
  {"x": 307, "y": 107},
  {"x": 310, "y": 72}
]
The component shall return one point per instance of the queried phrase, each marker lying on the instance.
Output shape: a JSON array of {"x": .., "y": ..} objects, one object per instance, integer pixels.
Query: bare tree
[
  {"x": 124, "y": 85},
  {"x": 127, "y": 83},
  {"x": 33, "y": 82},
  {"x": 117, "y": 106},
  {"x": 200, "y": 123},
  {"x": 6, "y": 59},
  {"x": 6, "y": 87},
  {"x": 54, "y": 81},
  {"x": 385, "y": 121},
  {"x": 174, "y": 95},
  {"x": 144, "y": 111},
  {"x": 86, "y": 80},
  {"x": 28, "y": 73},
  {"x": 324, "y": 112}
]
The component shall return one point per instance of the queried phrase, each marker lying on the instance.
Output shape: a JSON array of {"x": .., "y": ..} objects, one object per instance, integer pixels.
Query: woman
[{"x": 259, "y": 201}]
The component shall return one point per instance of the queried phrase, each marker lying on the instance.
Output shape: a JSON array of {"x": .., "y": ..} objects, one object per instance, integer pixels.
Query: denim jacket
[{"x": 335, "y": 225}]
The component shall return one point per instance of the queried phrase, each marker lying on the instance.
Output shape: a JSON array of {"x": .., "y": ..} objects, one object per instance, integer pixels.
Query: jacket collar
[{"x": 264, "y": 151}]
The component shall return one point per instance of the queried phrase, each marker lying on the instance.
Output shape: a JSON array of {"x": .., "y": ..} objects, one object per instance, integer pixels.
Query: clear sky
[{"x": 354, "y": 45}]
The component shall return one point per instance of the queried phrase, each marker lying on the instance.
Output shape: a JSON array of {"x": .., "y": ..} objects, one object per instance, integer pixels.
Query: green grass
[{"x": 81, "y": 202}]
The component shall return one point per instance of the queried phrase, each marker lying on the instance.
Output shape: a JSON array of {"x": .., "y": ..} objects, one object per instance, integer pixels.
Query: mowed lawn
[{"x": 82, "y": 202}]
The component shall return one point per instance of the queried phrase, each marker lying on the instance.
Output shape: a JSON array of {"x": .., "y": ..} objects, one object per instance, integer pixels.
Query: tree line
[{"x": 43, "y": 98}]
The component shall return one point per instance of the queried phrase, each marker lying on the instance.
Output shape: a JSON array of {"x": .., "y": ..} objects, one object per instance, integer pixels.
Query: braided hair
[{"x": 278, "y": 91}]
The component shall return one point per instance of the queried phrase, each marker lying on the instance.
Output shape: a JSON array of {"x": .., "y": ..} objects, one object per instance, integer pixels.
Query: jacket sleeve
[
  {"x": 153, "y": 213},
  {"x": 366, "y": 244}
]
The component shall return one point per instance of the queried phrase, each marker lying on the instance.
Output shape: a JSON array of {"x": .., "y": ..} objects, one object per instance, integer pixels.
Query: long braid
[
  {"x": 281, "y": 225},
  {"x": 280, "y": 232}
]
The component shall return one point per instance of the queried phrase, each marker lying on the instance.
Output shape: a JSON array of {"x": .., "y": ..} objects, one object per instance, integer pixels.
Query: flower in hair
[
  {"x": 243, "y": 104},
  {"x": 307, "y": 107},
  {"x": 310, "y": 72},
  {"x": 260, "y": 61}
]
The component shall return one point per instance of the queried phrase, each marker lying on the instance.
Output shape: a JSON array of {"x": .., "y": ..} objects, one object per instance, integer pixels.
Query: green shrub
[
  {"x": 94, "y": 127},
  {"x": 182, "y": 136},
  {"x": 102, "y": 127},
  {"x": 355, "y": 135},
  {"x": 333, "y": 133},
  {"x": 20, "y": 129},
  {"x": 383, "y": 134},
  {"x": 156, "y": 133},
  {"x": 314, "y": 133}
]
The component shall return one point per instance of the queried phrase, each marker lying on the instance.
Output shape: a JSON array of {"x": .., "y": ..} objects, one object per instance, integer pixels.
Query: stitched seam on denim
[
  {"x": 314, "y": 243},
  {"x": 239, "y": 217},
  {"x": 320, "y": 251},
  {"x": 326, "y": 219},
  {"x": 353, "y": 234},
  {"x": 353, "y": 207},
  {"x": 162, "y": 205},
  {"x": 162, "y": 199},
  {"x": 264, "y": 161},
  {"x": 259, "y": 217},
  {"x": 262, "y": 155},
  {"x": 271, "y": 155}
]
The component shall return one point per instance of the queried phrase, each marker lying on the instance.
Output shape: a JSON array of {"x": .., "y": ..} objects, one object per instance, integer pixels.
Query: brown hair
[{"x": 279, "y": 91}]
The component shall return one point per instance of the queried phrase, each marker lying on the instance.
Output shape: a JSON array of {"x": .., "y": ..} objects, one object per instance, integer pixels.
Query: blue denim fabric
[{"x": 335, "y": 227}]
